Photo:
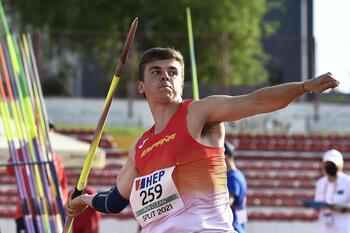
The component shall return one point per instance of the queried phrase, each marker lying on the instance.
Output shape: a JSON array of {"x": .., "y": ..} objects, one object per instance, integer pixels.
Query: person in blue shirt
[{"x": 237, "y": 187}]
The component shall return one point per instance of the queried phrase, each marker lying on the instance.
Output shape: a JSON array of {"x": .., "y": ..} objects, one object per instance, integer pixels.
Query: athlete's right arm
[
  {"x": 127, "y": 174},
  {"x": 118, "y": 195}
]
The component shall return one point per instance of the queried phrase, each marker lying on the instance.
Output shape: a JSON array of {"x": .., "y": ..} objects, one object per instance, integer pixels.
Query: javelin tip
[
  {"x": 134, "y": 24},
  {"x": 126, "y": 48}
]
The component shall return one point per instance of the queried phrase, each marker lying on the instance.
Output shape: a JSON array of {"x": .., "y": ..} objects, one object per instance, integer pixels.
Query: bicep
[
  {"x": 126, "y": 178},
  {"x": 222, "y": 108}
]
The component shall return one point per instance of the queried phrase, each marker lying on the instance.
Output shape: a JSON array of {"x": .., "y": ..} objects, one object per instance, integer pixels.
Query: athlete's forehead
[{"x": 163, "y": 64}]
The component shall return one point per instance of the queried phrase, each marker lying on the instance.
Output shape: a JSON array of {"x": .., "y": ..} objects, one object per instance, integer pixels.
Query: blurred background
[{"x": 240, "y": 46}]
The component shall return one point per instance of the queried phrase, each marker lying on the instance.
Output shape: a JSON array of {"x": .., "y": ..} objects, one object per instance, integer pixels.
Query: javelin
[
  {"x": 43, "y": 118},
  {"x": 28, "y": 219},
  {"x": 26, "y": 107},
  {"x": 34, "y": 197},
  {"x": 42, "y": 176},
  {"x": 193, "y": 59},
  {"x": 101, "y": 123},
  {"x": 50, "y": 181}
]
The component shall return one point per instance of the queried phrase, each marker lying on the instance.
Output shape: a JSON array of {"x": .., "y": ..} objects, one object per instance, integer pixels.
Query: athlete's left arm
[
  {"x": 222, "y": 108},
  {"x": 112, "y": 201}
]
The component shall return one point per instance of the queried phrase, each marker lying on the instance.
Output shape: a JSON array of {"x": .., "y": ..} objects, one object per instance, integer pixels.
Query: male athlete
[{"x": 175, "y": 175}]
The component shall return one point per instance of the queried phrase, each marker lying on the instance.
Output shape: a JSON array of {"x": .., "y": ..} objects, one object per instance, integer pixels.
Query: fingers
[
  {"x": 327, "y": 77},
  {"x": 73, "y": 211},
  {"x": 75, "y": 207},
  {"x": 326, "y": 85},
  {"x": 325, "y": 82}
]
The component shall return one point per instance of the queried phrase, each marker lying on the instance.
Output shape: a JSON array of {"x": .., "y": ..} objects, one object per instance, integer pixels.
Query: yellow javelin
[{"x": 101, "y": 123}]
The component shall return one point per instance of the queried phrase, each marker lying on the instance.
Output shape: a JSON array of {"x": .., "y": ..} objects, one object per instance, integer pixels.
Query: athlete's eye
[
  {"x": 172, "y": 73},
  {"x": 155, "y": 72}
]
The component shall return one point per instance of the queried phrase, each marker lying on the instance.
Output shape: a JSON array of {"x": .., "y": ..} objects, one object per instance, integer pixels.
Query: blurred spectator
[
  {"x": 89, "y": 220},
  {"x": 237, "y": 187},
  {"x": 334, "y": 189}
]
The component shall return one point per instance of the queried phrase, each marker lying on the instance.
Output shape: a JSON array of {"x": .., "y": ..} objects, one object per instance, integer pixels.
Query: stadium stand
[{"x": 281, "y": 170}]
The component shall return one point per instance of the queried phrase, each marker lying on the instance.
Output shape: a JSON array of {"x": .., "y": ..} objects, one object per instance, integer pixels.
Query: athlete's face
[{"x": 163, "y": 80}]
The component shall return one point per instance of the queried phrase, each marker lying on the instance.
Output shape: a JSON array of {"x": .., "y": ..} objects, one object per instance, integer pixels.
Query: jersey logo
[
  {"x": 143, "y": 143},
  {"x": 149, "y": 180},
  {"x": 166, "y": 139}
]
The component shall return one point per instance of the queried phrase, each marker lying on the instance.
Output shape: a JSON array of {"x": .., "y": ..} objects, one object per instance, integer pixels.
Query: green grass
[{"x": 125, "y": 131}]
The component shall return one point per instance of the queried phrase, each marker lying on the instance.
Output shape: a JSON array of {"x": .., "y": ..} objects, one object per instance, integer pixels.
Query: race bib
[{"x": 154, "y": 196}]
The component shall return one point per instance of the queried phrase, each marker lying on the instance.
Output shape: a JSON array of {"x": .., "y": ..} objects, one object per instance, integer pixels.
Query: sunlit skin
[
  {"x": 163, "y": 82},
  {"x": 162, "y": 86}
]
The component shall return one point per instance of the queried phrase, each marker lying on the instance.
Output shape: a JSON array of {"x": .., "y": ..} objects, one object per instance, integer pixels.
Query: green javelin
[
  {"x": 25, "y": 124},
  {"x": 56, "y": 223},
  {"x": 25, "y": 105},
  {"x": 4, "y": 111},
  {"x": 43, "y": 134},
  {"x": 42, "y": 121},
  {"x": 22, "y": 141},
  {"x": 192, "y": 55}
]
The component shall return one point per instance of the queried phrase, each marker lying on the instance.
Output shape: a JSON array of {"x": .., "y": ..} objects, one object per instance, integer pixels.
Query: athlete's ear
[{"x": 140, "y": 87}]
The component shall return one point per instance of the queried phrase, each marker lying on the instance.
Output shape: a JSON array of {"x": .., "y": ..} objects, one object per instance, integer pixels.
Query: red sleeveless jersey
[{"x": 199, "y": 168}]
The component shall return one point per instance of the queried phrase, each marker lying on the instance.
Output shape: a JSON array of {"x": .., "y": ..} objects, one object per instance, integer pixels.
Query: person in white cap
[{"x": 334, "y": 189}]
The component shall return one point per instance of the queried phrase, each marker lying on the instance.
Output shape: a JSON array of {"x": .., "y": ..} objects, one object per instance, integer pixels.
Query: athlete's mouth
[{"x": 164, "y": 86}]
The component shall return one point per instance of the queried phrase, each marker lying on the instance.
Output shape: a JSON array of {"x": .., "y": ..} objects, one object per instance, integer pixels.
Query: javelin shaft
[
  {"x": 28, "y": 219},
  {"x": 22, "y": 141},
  {"x": 17, "y": 74},
  {"x": 101, "y": 123},
  {"x": 26, "y": 109},
  {"x": 43, "y": 119},
  {"x": 27, "y": 147},
  {"x": 42, "y": 175},
  {"x": 24, "y": 104},
  {"x": 4, "y": 20},
  {"x": 192, "y": 56},
  {"x": 52, "y": 175}
]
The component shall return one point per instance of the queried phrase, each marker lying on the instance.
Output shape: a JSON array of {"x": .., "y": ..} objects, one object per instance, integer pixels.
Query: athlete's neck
[{"x": 162, "y": 114}]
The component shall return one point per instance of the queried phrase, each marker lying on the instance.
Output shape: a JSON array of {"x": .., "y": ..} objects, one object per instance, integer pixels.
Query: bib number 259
[{"x": 151, "y": 194}]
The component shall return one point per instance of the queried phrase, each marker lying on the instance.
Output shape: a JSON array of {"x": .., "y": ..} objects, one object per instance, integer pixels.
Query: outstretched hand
[{"x": 321, "y": 83}]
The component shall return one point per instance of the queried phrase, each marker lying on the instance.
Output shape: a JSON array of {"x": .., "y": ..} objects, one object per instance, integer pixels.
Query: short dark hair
[{"x": 155, "y": 54}]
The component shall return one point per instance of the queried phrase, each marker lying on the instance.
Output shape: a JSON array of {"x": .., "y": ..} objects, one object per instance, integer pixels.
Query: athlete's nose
[{"x": 165, "y": 76}]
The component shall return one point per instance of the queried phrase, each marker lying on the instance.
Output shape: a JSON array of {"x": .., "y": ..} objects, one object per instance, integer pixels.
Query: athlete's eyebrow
[
  {"x": 154, "y": 68},
  {"x": 159, "y": 68},
  {"x": 172, "y": 68}
]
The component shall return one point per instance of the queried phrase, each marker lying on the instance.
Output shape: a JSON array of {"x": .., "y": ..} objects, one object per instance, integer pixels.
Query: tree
[{"x": 227, "y": 33}]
